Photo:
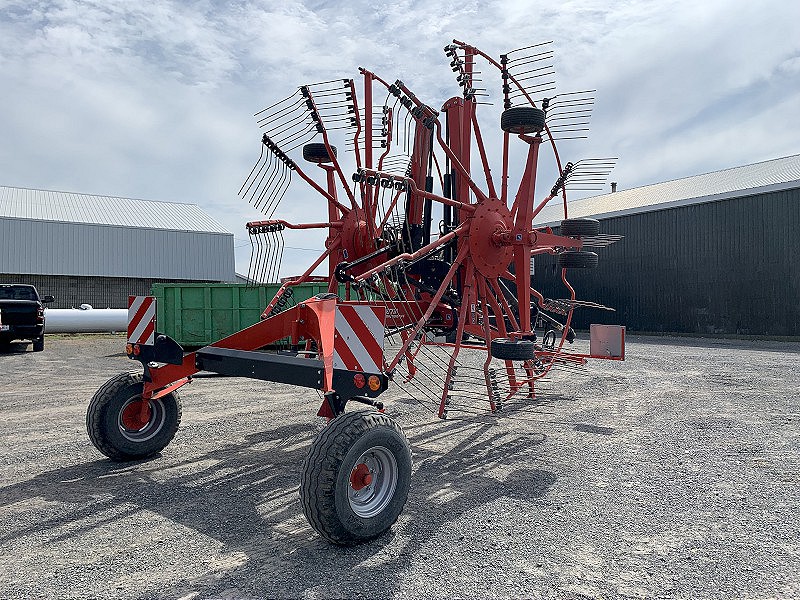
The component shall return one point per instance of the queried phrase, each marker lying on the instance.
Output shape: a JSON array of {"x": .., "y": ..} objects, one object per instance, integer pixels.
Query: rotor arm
[
  {"x": 321, "y": 190},
  {"x": 315, "y": 111},
  {"x": 287, "y": 225},
  {"x": 510, "y": 77},
  {"x": 428, "y": 117}
]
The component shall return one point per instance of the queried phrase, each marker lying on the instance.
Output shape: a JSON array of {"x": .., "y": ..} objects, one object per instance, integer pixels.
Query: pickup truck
[{"x": 22, "y": 315}]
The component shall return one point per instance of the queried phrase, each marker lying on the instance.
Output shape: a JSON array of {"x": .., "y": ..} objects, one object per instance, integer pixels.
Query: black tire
[
  {"x": 549, "y": 339},
  {"x": 577, "y": 259},
  {"x": 317, "y": 153},
  {"x": 330, "y": 501},
  {"x": 507, "y": 349},
  {"x": 38, "y": 344},
  {"x": 579, "y": 227},
  {"x": 108, "y": 419},
  {"x": 522, "y": 119}
]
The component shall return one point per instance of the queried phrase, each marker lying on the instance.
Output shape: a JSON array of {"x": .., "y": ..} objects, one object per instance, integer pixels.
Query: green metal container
[{"x": 198, "y": 314}]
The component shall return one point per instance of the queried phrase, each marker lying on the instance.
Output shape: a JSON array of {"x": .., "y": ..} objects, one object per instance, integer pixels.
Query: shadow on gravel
[
  {"x": 245, "y": 496},
  {"x": 15, "y": 348},
  {"x": 594, "y": 429}
]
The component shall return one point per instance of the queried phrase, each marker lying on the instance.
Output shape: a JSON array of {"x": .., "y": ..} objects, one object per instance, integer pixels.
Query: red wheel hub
[
  {"x": 360, "y": 477},
  {"x": 135, "y": 416}
]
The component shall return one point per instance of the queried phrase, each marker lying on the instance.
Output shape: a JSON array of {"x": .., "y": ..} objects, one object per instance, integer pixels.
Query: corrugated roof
[
  {"x": 768, "y": 176},
  {"x": 68, "y": 207}
]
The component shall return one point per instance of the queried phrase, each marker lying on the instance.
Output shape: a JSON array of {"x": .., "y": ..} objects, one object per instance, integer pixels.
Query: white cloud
[{"x": 156, "y": 99}]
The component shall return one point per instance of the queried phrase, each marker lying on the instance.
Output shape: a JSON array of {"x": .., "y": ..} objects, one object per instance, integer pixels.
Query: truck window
[{"x": 17, "y": 292}]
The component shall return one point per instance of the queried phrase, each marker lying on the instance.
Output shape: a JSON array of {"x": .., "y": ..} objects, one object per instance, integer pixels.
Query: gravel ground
[{"x": 673, "y": 474}]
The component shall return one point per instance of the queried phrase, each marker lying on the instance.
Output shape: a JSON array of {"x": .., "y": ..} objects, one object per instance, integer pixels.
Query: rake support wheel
[
  {"x": 579, "y": 227},
  {"x": 506, "y": 349},
  {"x": 317, "y": 153},
  {"x": 577, "y": 259},
  {"x": 522, "y": 119},
  {"x": 356, "y": 477}
]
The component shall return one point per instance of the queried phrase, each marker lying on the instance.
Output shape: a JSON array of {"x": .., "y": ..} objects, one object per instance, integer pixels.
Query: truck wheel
[
  {"x": 356, "y": 477},
  {"x": 38, "y": 344},
  {"x": 116, "y": 425}
]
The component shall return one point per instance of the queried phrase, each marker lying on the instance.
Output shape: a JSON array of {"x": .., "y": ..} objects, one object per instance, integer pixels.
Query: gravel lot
[{"x": 673, "y": 474}]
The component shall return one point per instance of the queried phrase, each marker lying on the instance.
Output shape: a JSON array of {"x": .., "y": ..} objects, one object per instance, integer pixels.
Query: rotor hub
[{"x": 491, "y": 259}]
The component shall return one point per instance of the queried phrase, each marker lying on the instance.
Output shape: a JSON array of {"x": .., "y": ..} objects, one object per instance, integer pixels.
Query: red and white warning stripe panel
[
  {"x": 358, "y": 344},
  {"x": 142, "y": 320}
]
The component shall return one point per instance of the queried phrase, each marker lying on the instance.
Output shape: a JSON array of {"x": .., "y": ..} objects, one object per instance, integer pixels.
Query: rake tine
[
  {"x": 264, "y": 188},
  {"x": 265, "y": 169},
  {"x": 262, "y": 160},
  {"x": 277, "y": 103},
  {"x": 268, "y": 119}
]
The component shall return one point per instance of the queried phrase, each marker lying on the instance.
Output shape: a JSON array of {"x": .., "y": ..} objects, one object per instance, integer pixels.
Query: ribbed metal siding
[
  {"x": 725, "y": 267},
  {"x": 53, "y": 248}
]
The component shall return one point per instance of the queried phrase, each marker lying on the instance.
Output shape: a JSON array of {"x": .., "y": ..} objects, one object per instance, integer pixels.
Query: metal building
[
  {"x": 99, "y": 249},
  {"x": 710, "y": 254}
]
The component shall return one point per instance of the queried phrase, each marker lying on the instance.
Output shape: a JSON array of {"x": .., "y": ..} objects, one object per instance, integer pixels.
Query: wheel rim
[
  {"x": 373, "y": 481},
  {"x": 131, "y": 424}
]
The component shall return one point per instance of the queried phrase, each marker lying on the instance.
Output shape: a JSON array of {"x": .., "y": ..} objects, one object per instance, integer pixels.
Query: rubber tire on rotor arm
[
  {"x": 549, "y": 339},
  {"x": 38, "y": 344},
  {"x": 103, "y": 419},
  {"x": 579, "y": 227},
  {"x": 577, "y": 259},
  {"x": 522, "y": 119},
  {"x": 508, "y": 349},
  {"x": 317, "y": 153},
  {"x": 327, "y": 470}
]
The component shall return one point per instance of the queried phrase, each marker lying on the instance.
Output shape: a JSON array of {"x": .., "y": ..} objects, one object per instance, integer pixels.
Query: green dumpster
[{"x": 198, "y": 314}]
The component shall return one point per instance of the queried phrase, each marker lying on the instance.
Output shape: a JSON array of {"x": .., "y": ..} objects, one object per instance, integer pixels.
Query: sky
[{"x": 155, "y": 99}]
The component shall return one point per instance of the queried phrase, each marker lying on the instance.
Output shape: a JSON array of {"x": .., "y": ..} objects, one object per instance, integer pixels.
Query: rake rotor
[{"x": 424, "y": 228}]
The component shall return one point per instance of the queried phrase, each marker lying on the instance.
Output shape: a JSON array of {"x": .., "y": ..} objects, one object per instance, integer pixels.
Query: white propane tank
[{"x": 85, "y": 320}]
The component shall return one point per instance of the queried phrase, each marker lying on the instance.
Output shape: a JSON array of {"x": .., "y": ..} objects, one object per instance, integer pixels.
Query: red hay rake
[{"x": 434, "y": 253}]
